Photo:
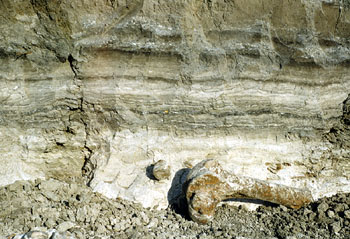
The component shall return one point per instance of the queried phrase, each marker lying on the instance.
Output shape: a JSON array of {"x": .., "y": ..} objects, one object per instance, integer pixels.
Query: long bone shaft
[{"x": 208, "y": 184}]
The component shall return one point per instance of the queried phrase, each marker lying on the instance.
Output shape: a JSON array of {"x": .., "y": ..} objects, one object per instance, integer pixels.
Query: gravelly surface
[{"x": 76, "y": 212}]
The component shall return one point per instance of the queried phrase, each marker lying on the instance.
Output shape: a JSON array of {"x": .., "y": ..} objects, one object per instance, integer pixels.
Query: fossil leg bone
[{"x": 207, "y": 184}]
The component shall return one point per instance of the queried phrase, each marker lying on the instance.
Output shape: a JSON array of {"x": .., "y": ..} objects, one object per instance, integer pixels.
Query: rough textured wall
[{"x": 105, "y": 88}]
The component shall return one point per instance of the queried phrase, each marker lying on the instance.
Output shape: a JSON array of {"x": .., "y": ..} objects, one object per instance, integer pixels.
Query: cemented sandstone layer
[{"x": 104, "y": 89}]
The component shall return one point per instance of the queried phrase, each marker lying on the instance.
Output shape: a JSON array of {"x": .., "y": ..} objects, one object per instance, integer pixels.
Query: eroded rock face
[{"x": 106, "y": 88}]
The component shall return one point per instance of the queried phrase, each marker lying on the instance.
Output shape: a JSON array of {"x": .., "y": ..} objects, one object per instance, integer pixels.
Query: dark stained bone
[{"x": 208, "y": 184}]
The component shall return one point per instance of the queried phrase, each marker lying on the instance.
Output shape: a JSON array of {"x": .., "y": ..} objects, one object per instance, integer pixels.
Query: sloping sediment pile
[{"x": 72, "y": 210}]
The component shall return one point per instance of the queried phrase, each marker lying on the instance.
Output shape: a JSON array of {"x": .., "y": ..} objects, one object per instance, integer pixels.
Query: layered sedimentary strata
[{"x": 107, "y": 88}]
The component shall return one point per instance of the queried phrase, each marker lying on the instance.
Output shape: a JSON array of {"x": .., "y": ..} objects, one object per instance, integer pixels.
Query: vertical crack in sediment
[
  {"x": 73, "y": 66},
  {"x": 338, "y": 18},
  {"x": 87, "y": 167}
]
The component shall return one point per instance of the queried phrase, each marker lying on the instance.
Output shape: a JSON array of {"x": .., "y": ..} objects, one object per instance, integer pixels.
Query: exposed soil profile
[{"x": 126, "y": 96}]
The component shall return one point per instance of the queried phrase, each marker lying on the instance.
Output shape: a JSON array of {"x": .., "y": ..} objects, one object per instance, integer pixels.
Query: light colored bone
[{"x": 208, "y": 184}]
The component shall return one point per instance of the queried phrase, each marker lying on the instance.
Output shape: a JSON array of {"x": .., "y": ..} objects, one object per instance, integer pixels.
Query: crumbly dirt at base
[{"x": 72, "y": 210}]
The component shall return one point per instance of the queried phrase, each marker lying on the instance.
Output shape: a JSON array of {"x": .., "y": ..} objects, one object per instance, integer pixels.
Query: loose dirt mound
[{"x": 71, "y": 210}]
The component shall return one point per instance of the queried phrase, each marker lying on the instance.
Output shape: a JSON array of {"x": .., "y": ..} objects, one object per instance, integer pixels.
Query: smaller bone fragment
[{"x": 208, "y": 184}]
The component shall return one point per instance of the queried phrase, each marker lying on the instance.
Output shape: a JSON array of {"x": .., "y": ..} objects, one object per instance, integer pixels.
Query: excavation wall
[{"x": 104, "y": 89}]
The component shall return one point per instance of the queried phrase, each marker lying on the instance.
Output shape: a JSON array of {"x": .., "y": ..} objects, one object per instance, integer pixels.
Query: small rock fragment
[
  {"x": 35, "y": 235},
  {"x": 283, "y": 208},
  {"x": 50, "y": 196},
  {"x": 335, "y": 227},
  {"x": 49, "y": 185},
  {"x": 347, "y": 214},
  {"x": 153, "y": 223},
  {"x": 340, "y": 207},
  {"x": 161, "y": 170},
  {"x": 100, "y": 229},
  {"x": 322, "y": 208},
  {"x": 53, "y": 234},
  {"x": 330, "y": 213},
  {"x": 144, "y": 217},
  {"x": 50, "y": 223},
  {"x": 64, "y": 226},
  {"x": 81, "y": 213}
]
